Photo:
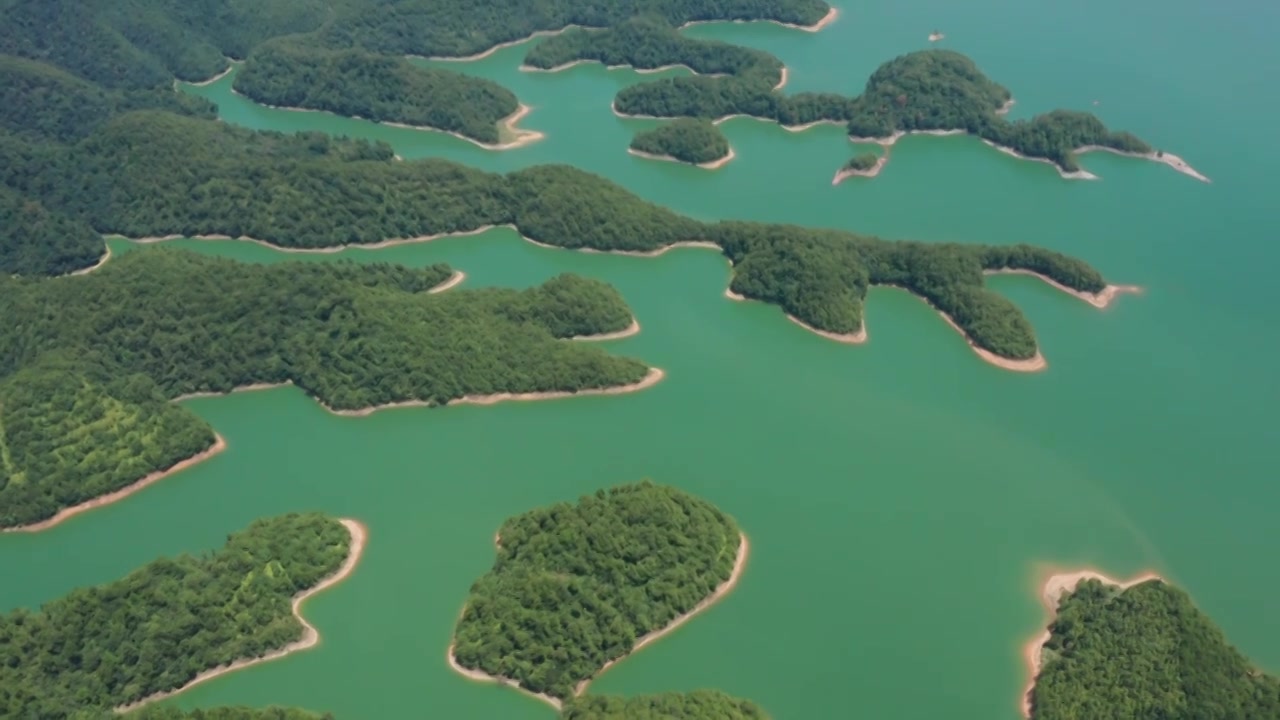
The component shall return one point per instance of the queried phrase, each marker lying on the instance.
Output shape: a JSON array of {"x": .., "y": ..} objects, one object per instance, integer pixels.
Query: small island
[
  {"x": 566, "y": 598},
  {"x": 687, "y": 140},
  {"x": 695, "y": 705},
  {"x": 866, "y": 164},
  {"x": 355, "y": 83},
  {"x": 1174, "y": 661},
  {"x": 208, "y": 615},
  {"x": 936, "y": 35}
]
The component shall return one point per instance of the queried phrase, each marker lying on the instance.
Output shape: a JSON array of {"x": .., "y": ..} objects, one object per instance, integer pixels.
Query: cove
[{"x": 903, "y": 499}]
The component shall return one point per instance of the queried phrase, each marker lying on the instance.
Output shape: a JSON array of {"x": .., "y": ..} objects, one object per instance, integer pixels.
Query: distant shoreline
[
  {"x": 231, "y": 65},
  {"x": 85, "y": 271},
  {"x": 712, "y": 165},
  {"x": 613, "y": 106},
  {"x": 452, "y": 282},
  {"x": 328, "y": 249},
  {"x": 152, "y": 478},
  {"x": 641, "y": 71},
  {"x": 310, "y": 636},
  {"x": 723, "y": 589},
  {"x": 826, "y": 20},
  {"x": 632, "y": 329},
  {"x": 701, "y": 244},
  {"x": 502, "y": 46},
  {"x": 1051, "y": 595},
  {"x": 1099, "y": 300},
  {"x": 522, "y": 137},
  {"x": 870, "y": 172},
  {"x": 847, "y": 338}
]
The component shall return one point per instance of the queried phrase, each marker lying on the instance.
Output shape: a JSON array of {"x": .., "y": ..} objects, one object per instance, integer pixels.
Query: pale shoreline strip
[
  {"x": 640, "y": 71},
  {"x": 1006, "y": 107},
  {"x": 452, "y": 282},
  {"x": 712, "y": 165},
  {"x": 1050, "y": 595},
  {"x": 1081, "y": 174},
  {"x": 782, "y": 81},
  {"x": 85, "y": 271},
  {"x": 701, "y": 244},
  {"x": 632, "y": 329},
  {"x": 522, "y": 137},
  {"x": 231, "y": 65},
  {"x": 723, "y": 119},
  {"x": 320, "y": 250},
  {"x": 653, "y": 377},
  {"x": 310, "y": 636},
  {"x": 65, "y": 514},
  {"x": 723, "y": 589},
  {"x": 826, "y": 20},
  {"x": 1163, "y": 158},
  {"x": 847, "y": 338},
  {"x": 1099, "y": 300},
  {"x": 501, "y": 46}
]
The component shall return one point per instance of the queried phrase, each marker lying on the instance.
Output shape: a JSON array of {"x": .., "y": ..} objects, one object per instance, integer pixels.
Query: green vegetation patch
[
  {"x": 156, "y": 629},
  {"x": 862, "y": 162},
  {"x": 35, "y": 241},
  {"x": 695, "y": 705},
  {"x": 68, "y": 435},
  {"x": 1146, "y": 652},
  {"x": 575, "y": 586},
  {"x": 382, "y": 88},
  {"x": 686, "y": 140}
]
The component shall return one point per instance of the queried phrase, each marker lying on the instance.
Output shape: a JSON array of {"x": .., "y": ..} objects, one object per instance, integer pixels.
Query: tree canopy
[
  {"x": 382, "y": 88},
  {"x": 686, "y": 140},
  {"x": 575, "y": 586},
  {"x": 1144, "y": 653},
  {"x": 695, "y": 705},
  {"x": 157, "y": 628}
]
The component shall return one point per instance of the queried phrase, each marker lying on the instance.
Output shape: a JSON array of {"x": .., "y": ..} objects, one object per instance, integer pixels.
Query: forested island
[
  {"x": 155, "y": 174},
  {"x": 866, "y": 164},
  {"x": 1143, "y": 652},
  {"x": 568, "y": 596},
  {"x": 155, "y": 630},
  {"x": 687, "y": 140},
  {"x": 85, "y": 379},
  {"x": 696, "y": 705},
  {"x": 382, "y": 88}
]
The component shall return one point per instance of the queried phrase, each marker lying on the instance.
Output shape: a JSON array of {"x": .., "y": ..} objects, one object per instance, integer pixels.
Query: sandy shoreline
[
  {"x": 85, "y": 271},
  {"x": 826, "y": 20},
  {"x": 1050, "y": 595},
  {"x": 713, "y": 165},
  {"x": 653, "y": 377},
  {"x": 1034, "y": 363},
  {"x": 632, "y": 329},
  {"x": 310, "y": 636},
  {"x": 1169, "y": 159},
  {"x": 725, "y": 118},
  {"x": 1081, "y": 174},
  {"x": 64, "y": 514},
  {"x": 723, "y": 589},
  {"x": 320, "y": 250},
  {"x": 639, "y": 71},
  {"x": 701, "y": 244},
  {"x": 782, "y": 81},
  {"x": 848, "y": 338},
  {"x": 238, "y": 389},
  {"x": 502, "y": 46},
  {"x": 1006, "y": 107},
  {"x": 1099, "y": 300},
  {"x": 452, "y": 282},
  {"x": 231, "y": 65}
]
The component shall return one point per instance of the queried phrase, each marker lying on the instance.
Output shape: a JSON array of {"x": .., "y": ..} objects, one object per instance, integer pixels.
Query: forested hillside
[
  {"x": 156, "y": 629},
  {"x": 1144, "y": 653},
  {"x": 696, "y": 705},
  {"x": 575, "y": 586},
  {"x": 86, "y": 375},
  {"x": 155, "y": 174},
  {"x": 382, "y": 88},
  {"x": 686, "y": 140}
]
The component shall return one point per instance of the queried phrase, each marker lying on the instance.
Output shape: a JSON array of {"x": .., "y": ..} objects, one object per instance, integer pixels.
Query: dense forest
[
  {"x": 696, "y": 705},
  {"x": 153, "y": 174},
  {"x": 686, "y": 140},
  {"x": 1145, "y": 653},
  {"x": 146, "y": 43},
  {"x": 85, "y": 378},
  {"x": 34, "y": 241},
  {"x": 574, "y": 586},
  {"x": 382, "y": 88},
  {"x": 71, "y": 432},
  {"x": 102, "y": 647}
]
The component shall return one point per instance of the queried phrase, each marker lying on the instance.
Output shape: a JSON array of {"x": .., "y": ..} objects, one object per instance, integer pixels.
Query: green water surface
[{"x": 903, "y": 498}]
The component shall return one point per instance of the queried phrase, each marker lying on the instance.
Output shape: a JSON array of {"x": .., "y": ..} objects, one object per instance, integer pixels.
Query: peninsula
[
  {"x": 236, "y": 604},
  {"x": 687, "y": 140},
  {"x": 696, "y": 705},
  {"x": 1175, "y": 662},
  {"x": 555, "y": 611},
  {"x": 94, "y": 381},
  {"x": 355, "y": 83}
]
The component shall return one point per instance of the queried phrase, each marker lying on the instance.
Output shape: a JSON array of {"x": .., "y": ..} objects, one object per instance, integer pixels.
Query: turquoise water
[{"x": 904, "y": 499}]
